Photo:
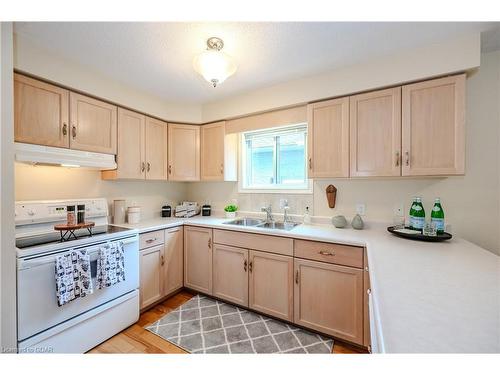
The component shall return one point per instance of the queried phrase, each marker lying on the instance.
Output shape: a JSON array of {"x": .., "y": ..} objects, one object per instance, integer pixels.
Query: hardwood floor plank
[{"x": 136, "y": 339}]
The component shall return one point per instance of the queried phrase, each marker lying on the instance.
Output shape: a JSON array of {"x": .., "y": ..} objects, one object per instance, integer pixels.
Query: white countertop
[{"x": 427, "y": 297}]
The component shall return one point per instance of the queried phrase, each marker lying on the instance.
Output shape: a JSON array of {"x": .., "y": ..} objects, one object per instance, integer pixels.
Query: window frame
[{"x": 269, "y": 189}]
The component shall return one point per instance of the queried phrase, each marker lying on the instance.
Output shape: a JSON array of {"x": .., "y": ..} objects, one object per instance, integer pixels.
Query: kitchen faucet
[{"x": 269, "y": 211}]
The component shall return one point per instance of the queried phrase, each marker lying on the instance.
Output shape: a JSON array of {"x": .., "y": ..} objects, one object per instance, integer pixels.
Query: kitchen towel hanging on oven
[
  {"x": 110, "y": 265},
  {"x": 73, "y": 276}
]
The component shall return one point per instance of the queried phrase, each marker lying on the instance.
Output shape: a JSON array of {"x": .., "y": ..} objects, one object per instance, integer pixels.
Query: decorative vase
[
  {"x": 357, "y": 222},
  {"x": 230, "y": 215},
  {"x": 339, "y": 221}
]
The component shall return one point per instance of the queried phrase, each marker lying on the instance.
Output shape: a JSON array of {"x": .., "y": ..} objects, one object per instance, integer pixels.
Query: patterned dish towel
[
  {"x": 73, "y": 277},
  {"x": 110, "y": 265}
]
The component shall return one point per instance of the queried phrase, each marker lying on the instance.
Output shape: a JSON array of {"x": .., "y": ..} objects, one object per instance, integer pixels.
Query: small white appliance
[{"x": 76, "y": 327}]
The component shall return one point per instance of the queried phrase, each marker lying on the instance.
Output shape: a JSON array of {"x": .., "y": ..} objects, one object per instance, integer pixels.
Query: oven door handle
[{"x": 23, "y": 264}]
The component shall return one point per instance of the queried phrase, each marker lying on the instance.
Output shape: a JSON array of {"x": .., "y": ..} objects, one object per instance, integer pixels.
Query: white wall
[
  {"x": 33, "y": 60},
  {"x": 45, "y": 182},
  {"x": 8, "y": 339},
  {"x": 455, "y": 55},
  {"x": 471, "y": 202}
]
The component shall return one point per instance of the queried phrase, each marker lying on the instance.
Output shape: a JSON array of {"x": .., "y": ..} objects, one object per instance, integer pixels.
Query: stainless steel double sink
[{"x": 250, "y": 222}]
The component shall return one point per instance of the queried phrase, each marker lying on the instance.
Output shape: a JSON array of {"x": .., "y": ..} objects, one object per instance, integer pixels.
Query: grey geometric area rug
[{"x": 205, "y": 325}]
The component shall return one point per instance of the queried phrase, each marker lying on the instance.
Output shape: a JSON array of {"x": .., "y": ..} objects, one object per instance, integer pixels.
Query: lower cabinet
[
  {"x": 198, "y": 259},
  {"x": 230, "y": 276},
  {"x": 271, "y": 284},
  {"x": 173, "y": 270},
  {"x": 329, "y": 298},
  {"x": 151, "y": 275},
  {"x": 161, "y": 264}
]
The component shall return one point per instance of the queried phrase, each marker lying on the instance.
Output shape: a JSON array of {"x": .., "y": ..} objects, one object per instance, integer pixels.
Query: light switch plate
[{"x": 360, "y": 209}]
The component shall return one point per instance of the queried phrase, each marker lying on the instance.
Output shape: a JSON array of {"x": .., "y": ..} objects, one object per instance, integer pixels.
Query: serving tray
[{"x": 419, "y": 236}]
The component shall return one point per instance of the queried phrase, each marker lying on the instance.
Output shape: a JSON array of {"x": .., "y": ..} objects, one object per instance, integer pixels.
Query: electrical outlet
[
  {"x": 398, "y": 210},
  {"x": 360, "y": 208},
  {"x": 283, "y": 203}
]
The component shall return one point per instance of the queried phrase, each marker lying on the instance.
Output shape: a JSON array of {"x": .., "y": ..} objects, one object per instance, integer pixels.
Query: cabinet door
[
  {"x": 375, "y": 126},
  {"x": 41, "y": 113},
  {"x": 271, "y": 284},
  {"x": 173, "y": 268},
  {"x": 433, "y": 127},
  {"x": 183, "y": 152},
  {"x": 156, "y": 149},
  {"x": 328, "y": 146},
  {"x": 93, "y": 124},
  {"x": 212, "y": 151},
  {"x": 198, "y": 259},
  {"x": 131, "y": 145},
  {"x": 151, "y": 275},
  {"x": 329, "y": 299},
  {"x": 230, "y": 274}
]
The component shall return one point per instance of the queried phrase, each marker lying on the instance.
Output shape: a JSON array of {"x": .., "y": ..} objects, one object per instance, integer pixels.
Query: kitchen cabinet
[
  {"x": 375, "y": 133},
  {"x": 41, "y": 113},
  {"x": 183, "y": 152},
  {"x": 173, "y": 268},
  {"x": 366, "y": 294},
  {"x": 198, "y": 259},
  {"x": 271, "y": 284},
  {"x": 142, "y": 148},
  {"x": 328, "y": 138},
  {"x": 230, "y": 274},
  {"x": 151, "y": 275},
  {"x": 218, "y": 153},
  {"x": 156, "y": 149},
  {"x": 329, "y": 298},
  {"x": 93, "y": 124},
  {"x": 433, "y": 127}
]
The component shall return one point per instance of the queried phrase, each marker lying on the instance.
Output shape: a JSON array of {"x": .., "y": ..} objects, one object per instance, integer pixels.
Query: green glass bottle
[
  {"x": 419, "y": 215},
  {"x": 437, "y": 216},
  {"x": 412, "y": 213}
]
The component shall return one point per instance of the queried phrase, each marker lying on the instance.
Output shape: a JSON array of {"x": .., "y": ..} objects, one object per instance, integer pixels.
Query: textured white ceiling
[{"x": 157, "y": 57}]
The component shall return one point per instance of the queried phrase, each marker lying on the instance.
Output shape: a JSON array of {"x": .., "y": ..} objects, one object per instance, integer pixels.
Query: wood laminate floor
[{"x": 136, "y": 339}]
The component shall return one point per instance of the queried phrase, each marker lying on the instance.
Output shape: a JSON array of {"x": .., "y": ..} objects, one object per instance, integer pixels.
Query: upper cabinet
[
  {"x": 218, "y": 153},
  {"x": 183, "y": 152},
  {"x": 142, "y": 148},
  {"x": 433, "y": 115},
  {"x": 375, "y": 133},
  {"x": 52, "y": 116},
  {"x": 328, "y": 146},
  {"x": 93, "y": 124},
  {"x": 41, "y": 112}
]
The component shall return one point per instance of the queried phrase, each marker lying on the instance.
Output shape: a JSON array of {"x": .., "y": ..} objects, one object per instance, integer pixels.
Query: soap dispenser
[{"x": 307, "y": 217}]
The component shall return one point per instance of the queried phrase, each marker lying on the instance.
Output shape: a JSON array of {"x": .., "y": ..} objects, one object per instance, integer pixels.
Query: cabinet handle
[
  {"x": 310, "y": 163},
  {"x": 209, "y": 243},
  {"x": 162, "y": 260},
  {"x": 73, "y": 131},
  {"x": 297, "y": 277},
  {"x": 368, "y": 291},
  {"x": 245, "y": 265},
  {"x": 143, "y": 167},
  {"x": 407, "y": 155},
  {"x": 151, "y": 240},
  {"x": 169, "y": 169},
  {"x": 65, "y": 129},
  {"x": 397, "y": 158},
  {"x": 328, "y": 253},
  {"x": 149, "y": 166},
  {"x": 250, "y": 267},
  {"x": 222, "y": 169}
]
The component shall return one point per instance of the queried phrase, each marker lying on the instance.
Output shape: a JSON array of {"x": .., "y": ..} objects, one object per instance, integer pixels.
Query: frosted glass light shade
[{"x": 215, "y": 66}]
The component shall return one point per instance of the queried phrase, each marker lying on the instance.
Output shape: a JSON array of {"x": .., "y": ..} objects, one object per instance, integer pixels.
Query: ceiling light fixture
[{"x": 213, "y": 64}]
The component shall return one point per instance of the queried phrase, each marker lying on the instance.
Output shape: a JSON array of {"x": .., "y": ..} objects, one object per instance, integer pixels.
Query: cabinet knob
[
  {"x": 73, "y": 131},
  {"x": 209, "y": 243},
  {"x": 407, "y": 158},
  {"x": 222, "y": 169},
  {"x": 169, "y": 169},
  {"x": 65, "y": 129},
  {"x": 310, "y": 163},
  {"x": 149, "y": 166},
  {"x": 143, "y": 166},
  {"x": 250, "y": 266},
  {"x": 162, "y": 260}
]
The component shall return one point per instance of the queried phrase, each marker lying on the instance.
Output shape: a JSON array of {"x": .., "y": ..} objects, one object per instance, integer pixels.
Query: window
[{"x": 275, "y": 159}]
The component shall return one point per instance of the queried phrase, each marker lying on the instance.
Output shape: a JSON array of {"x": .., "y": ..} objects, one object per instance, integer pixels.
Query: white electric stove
[{"x": 43, "y": 326}]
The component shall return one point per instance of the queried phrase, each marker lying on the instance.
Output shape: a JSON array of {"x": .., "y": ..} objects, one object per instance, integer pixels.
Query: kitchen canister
[
  {"x": 119, "y": 211},
  {"x": 134, "y": 214}
]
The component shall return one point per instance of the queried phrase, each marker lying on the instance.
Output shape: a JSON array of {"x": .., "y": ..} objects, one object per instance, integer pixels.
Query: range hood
[{"x": 45, "y": 155}]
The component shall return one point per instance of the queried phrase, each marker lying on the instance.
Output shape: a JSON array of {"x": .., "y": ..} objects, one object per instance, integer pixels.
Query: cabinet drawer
[
  {"x": 271, "y": 244},
  {"x": 151, "y": 239},
  {"x": 331, "y": 253}
]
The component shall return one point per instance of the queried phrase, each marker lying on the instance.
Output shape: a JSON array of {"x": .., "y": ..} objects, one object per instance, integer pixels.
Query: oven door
[{"x": 37, "y": 308}]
